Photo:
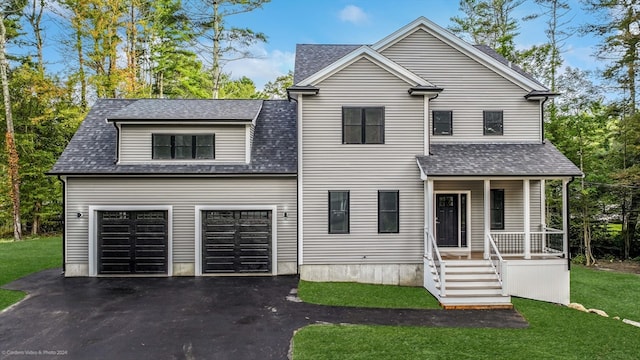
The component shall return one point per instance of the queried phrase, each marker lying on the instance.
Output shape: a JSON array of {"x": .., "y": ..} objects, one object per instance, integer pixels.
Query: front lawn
[
  {"x": 616, "y": 293},
  {"x": 21, "y": 258},
  {"x": 555, "y": 332}
]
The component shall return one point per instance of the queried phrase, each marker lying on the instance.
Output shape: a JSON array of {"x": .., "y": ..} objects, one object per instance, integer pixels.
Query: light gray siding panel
[
  {"x": 362, "y": 169},
  {"x": 135, "y": 141},
  {"x": 184, "y": 195},
  {"x": 469, "y": 88}
]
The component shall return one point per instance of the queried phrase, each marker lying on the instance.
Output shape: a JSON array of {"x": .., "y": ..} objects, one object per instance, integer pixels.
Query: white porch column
[
  {"x": 565, "y": 218},
  {"x": 543, "y": 204},
  {"x": 428, "y": 212},
  {"x": 527, "y": 218},
  {"x": 487, "y": 216}
]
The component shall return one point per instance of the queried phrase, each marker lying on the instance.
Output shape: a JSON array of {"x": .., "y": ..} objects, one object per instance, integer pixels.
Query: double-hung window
[
  {"x": 338, "y": 212},
  {"x": 183, "y": 146},
  {"x": 497, "y": 209},
  {"x": 442, "y": 122},
  {"x": 493, "y": 122},
  {"x": 363, "y": 125},
  {"x": 388, "y": 212}
]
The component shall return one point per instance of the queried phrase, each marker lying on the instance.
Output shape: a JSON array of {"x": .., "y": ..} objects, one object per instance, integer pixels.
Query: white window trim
[
  {"x": 198, "y": 231},
  {"x": 93, "y": 231}
]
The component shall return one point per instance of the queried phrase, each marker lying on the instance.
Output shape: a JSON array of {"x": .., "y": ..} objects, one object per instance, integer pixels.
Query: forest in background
[{"x": 178, "y": 49}]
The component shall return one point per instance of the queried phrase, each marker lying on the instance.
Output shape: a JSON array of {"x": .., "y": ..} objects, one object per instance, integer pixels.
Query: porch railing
[
  {"x": 497, "y": 262},
  {"x": 438, "y": 264},
  {"x": 548, "y": 242}
]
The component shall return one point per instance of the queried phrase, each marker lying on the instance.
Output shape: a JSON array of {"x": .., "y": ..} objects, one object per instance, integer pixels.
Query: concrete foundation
[
  {"x": 287, "y": 268},
  {"x": 184, "y": 269},
  {"x": 75, "y": 270},
  {"x": 387, "y": 274}
]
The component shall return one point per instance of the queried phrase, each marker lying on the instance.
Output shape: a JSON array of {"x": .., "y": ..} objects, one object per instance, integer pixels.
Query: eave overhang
[
  {"x": 431, "y": 91},
  {"x": 540, "y": 95}
]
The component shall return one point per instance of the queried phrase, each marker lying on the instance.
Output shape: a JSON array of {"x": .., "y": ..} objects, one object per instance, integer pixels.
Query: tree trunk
[
  {"x": 216, "y": 50},
  {"x": 35, "y": 20},
  {"x": 35, "y": 227},
  {"x": 14, "y": 181}
]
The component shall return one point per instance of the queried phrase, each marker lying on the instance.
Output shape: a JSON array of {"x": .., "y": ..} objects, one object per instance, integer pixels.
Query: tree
[
  {"x": 491, "y": 23},
  {"x": 225, "y": 43},
  {"x": 619, "y": 30},
  {"x": 242, "y": 88},
  {"x": 10, "y": 140},
  {"x": 277, "y": 89}
]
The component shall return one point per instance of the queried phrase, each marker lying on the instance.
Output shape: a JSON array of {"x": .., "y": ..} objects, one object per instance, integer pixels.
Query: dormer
[{"x": 185, "y": 131}]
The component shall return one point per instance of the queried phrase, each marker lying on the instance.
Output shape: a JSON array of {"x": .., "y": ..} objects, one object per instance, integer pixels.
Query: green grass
[
  {"x": 618, "y": 294},
  {"x": 366, "y": 295},
  {"x": 21, "y": 258},
  {"x": 555, "y": 332}
]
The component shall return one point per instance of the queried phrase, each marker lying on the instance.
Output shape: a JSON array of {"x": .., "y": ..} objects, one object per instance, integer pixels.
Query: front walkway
[{"x": 187, "y": 318}]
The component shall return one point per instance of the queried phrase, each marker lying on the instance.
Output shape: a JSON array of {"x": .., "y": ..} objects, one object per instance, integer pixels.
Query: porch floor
[{"x": 478, "y": 255}]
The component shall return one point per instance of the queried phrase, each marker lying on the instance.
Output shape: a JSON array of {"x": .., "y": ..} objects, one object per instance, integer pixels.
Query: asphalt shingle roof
[
  {"x": 497, "y": 160},
  {"x": 195, "y": 109},
  {"x": 311, "y": 58},
  {"x": 92, "y": 149},
  {"x": 494, "y": 54}
]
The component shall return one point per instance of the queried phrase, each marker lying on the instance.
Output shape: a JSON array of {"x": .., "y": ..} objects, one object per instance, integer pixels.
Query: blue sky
[{"x": 288, "y": 22}]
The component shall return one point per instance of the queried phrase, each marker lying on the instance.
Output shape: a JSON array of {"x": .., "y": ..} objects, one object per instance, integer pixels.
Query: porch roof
[{"x": 489, "y": 160}]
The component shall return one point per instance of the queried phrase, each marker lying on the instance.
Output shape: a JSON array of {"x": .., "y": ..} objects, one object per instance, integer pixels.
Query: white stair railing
[
  {"x": 439, "y": 265},
  {"x": 497, "y": 263}
]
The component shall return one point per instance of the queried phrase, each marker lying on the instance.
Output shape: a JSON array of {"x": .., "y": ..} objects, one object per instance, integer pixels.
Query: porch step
[{"x": 470, "y": 284}]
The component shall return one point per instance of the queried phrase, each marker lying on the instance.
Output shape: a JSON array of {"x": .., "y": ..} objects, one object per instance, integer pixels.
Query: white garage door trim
[
  {"x": 274, "y": 231},
  {"x": 93, "y": 231}
]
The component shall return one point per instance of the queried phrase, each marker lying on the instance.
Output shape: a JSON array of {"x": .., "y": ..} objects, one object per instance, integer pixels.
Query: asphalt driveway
[{"x": 185, "y": 318}]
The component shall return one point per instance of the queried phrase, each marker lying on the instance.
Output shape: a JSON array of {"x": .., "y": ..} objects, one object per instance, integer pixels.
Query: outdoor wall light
[
  {"x": 285, "y": 215},
  {"x": 79, "y": 215}
]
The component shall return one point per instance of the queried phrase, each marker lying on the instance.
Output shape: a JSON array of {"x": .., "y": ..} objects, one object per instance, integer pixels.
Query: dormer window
[{"x": 183, "y": 147}]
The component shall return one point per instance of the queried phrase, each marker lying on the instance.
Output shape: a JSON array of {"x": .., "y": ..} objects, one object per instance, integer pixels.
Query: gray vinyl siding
[
  {"x": 362, "y": 169},
  {"x": 469, "y": 88},
  {"x": 135, "y": 141},
  {"x": 183, "y": 194},
  {"x": 514, "y": 205}
]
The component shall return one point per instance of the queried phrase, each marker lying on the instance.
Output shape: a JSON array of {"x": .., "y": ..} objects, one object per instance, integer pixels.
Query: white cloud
[
  {"x": 353, "y": 14},
  {"x": 267, "y": 66}
]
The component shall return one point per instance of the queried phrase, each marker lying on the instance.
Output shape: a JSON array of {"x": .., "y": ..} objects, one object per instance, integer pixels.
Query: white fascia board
[
  {"x": 369, "y": 54},
  {"x": 452, "y": 40},
  {"x": 423, "y": 176},
  {"x": 255, "y": 118}
]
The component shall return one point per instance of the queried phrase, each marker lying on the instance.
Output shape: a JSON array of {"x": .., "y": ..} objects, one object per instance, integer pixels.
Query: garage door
[
  {"x": 236, "y": 241},
  {"x": 132, "y": 242}
]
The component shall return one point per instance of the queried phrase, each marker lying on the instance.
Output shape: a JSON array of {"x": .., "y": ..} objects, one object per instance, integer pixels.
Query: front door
[{"x": 447, "y": 220}]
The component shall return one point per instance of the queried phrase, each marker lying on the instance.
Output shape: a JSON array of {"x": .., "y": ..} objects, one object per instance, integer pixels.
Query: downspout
[
  {"x": 542, "y": 117},
  {"x": 64, "y": 223},
  {"x": 568, "y": 223}
]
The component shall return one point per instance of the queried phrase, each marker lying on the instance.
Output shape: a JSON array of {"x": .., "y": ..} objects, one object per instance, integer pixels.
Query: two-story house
[{"x": 418, "y": 160}]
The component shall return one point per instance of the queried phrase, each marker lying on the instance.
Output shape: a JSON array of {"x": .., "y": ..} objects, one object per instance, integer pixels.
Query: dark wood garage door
[
  {"x": 132, "y": 242},
  {"x": 236, "y": 241}
]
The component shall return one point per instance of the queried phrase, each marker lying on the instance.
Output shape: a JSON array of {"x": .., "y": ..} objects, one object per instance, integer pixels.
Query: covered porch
[{"x": 486, "y": 236}]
